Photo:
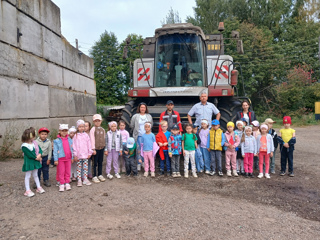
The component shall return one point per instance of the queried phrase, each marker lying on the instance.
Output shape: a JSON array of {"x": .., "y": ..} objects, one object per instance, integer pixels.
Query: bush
[{"x": 8, "y": 150}]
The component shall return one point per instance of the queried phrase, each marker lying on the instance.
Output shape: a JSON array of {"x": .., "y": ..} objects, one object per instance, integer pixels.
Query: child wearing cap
[
  {"x": 162, "y": 140},
  {"x": 231, "y": 143},
  {"x": 274, "y": 136},
  {"x": 98, "y": 143},
  {"x": 175, "y": 149},
  {"x": 72, "y": 131},
  {"x": 130, "y": 156},
  {"x": 255, "y": 133},
  {"x": 46, "y": 147},
  {"x": 82, "y": 152},
  {"x": 63, "y": 155},
  {"x": 287, "y": 139},
  {"x": 239, "y": 132},
  {"x": 265, "y": 150},
  {"x": 215, "y": 142}
]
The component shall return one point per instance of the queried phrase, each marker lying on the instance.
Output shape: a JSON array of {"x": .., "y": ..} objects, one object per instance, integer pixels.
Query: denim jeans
[
  {"x": 44, "y": 169},
  {"x": 131, "y": 165},
  {"x": 216, "y": 159},
  {"x": 272, "y": 162},
  {"x": 206, "y": 158},
  {"x": 175, "y": 163},
  {"x": 199, "y": 160},
  {"x": 167, "y": 160},
  {"x": 98, "y": 159},
  {"x": 139, "y": 139},
  {"x": 286, "y": 155}
]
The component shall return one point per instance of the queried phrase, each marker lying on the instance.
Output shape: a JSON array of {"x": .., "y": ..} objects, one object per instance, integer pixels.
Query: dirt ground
[{"x": 167, "y": 208}]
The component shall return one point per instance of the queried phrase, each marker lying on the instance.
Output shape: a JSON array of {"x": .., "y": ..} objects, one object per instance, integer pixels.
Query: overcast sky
[{"x": 86, "y": 20}]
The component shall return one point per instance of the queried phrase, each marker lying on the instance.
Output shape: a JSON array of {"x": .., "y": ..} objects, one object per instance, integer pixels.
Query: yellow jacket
[{"x": 216, "y": 139}]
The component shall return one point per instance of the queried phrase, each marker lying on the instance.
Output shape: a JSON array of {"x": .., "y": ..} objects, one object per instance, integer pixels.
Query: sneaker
[
  {"x": 153, "y": 174},
  {"x": 58, "y": 184},
  {"x": 212, "y": 173},
  {"x": 90, "y": 176},
  {"x": 29, "y": 193},
  {"x": 68, "y": 187},
  {"x": 117, "y": 175},
  {"x": 61, "y": 188},
  {"x": 238, "y": 172},
  {"x": 246, "y": 175},
  {"x": 229, "y": 173},
  {"x": 174, "y": 175},
  {"x": 95, "y": 180},
  {"x": 146, "y": 174},
  {"x": 201, "y": 170},
  {"x": 207, "y": 172},
  {"x": 73, "y": 179},
  {"x": 109, "y": 176},
  {"x": 235, "y": 173},
  {"x": 139, "y": 167},
  {"x": 47, "y": 183},
  {"x": 34, "y": 186},
  {"x": 40, "y": 190},
  {"x": 291, "y": 174},
  {"x": 142, "y": 165},
  {"x": 161, "y": 172},
  {"x": 168, "y": 174},
  {"x": 186, "y": 174},
  {"x": 87, "y": 182},
  {"x": 251, "y": 175},
  {"x": 220, "y": 173},
  {"x": 273, "y": 172},
  {"x": 194, "y": 174},
  {"x": 79, "y": 184},
  {"x": 101, "y": 178},
  {"x": 282, "y": 173},
  {"x": 178, "y": 174},
  {"x": 267, "y": 175},
  {"x": 260, "y": 175}
]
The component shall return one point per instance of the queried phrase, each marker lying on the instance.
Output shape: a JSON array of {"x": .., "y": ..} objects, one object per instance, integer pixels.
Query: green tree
[{"x": 109, "y": 75}]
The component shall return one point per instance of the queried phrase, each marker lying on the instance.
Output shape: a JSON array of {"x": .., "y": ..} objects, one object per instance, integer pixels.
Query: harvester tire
[
  {"x": 228, "y": 111},
  {"x": 129, "y": 110}
]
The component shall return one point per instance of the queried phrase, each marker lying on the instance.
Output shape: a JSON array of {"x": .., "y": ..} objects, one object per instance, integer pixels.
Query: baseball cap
[
  {"x": 244, "y": 120},
  {"x": 194, "y": 126},
  {"x": 130, "y": 142},
  {"x": 43, "y": 130},
  {"x": 175, "y": 126},
  {"x": 269, "y": 120},
  {"x": 255, "y": 123},
  {"x": 215, "y": 122},
  {"x": 97, "y": 117},
  {"x": 63, "y": 127},
  {"x": 286, "y": 119},
  {"x": 170, "y": 102}
]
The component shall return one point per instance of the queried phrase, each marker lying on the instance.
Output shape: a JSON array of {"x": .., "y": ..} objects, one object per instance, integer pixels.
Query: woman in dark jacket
[{"x": 246, "y": 113}]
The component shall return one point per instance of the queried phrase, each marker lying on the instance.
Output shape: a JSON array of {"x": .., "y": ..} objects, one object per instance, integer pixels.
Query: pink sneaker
[
  {"x": 87, "y": 182},
  {"x": 29, "y": 193},
  {"x": 79, "y": 184},
  {"x": 40, "y": 190},
  {"x": 68, "y": 187},
  {"x": 61, "y": 188}
]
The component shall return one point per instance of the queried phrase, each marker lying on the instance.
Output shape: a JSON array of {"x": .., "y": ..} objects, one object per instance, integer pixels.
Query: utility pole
[{"x": 77, "y": 46}]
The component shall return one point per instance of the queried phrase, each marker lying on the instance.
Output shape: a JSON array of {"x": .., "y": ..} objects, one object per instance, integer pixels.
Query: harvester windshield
[{"x": 179, "y": 61}]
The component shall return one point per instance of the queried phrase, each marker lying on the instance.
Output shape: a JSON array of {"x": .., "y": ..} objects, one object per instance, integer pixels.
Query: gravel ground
[{"x": 167, "y": 208}]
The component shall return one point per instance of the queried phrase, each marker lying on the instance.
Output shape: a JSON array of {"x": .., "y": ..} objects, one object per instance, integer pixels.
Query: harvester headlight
[
  {"x": 135, "y": 93},
  {"x": 224, "y": 92}
]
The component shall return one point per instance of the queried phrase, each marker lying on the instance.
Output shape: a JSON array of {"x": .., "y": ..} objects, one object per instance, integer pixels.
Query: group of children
[{"x": 75, "y": 150}]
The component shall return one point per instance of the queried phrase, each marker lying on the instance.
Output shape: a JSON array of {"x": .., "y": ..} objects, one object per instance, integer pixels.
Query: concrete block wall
[{"x": 44, "y": 80}]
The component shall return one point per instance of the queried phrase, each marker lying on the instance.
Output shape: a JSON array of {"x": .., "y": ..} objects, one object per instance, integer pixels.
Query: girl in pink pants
[
  {"x": 248, "y": 150},
  {"x": 148, "y": 144},
  {"x": 63, "y": 157},
  {"x": 265, "y": 149},
  {"x": 232, "y": 141}
]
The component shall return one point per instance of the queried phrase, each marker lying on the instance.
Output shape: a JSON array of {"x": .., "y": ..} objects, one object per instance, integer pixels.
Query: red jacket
[
  {"x": 160, "y": 137},
  {"x": 175, "y": 117}
]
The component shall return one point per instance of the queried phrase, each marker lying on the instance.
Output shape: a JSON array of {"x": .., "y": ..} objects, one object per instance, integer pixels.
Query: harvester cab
[{"x": 179, "y": 63}]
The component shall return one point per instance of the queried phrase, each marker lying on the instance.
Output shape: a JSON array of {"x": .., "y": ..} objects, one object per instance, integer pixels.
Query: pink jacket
[
  {"x": 82, "y": 145},
  {"x": 229, "y": 136}
]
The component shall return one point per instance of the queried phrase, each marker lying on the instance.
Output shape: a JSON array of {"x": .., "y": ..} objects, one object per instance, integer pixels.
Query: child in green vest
[{"x": 189, "y": 145}]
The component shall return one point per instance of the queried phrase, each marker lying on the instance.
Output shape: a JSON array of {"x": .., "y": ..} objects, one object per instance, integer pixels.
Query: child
[
  {"x": 248, "y": 150},
  {"x": 255, "y": 133},
  {"x": 189, "y": 145},
  {"x": 87, "y": 127},
  {"x": 31, "y": 162},
  {"x": 113, "y": 147},
  {"x": 215, "y": 142},
  {"x": 274, "y": 135},
  {"x": 46, "y": 147},
  {"x": 203, "y": 135},
  {"x": 265, "y": 150},
  {"x": 72, "y": 132},
  {"x": 162, "y": 140},
  {"x": 239, "y": 132},
  {"x": 198, "y": 154},
  {"x": 174, "y": 147},
  {"x": 232, "y": 141},
  {"x": 82, "y": 152},
  {"x": 97, "y": 137},
  {"x": 125, "y": 135},
  {"x": 130, "y": 156},
  {"x": 287, "y": 139},
  {"x": 63, "y": 155},
  {"x": 149, "y": 148}
]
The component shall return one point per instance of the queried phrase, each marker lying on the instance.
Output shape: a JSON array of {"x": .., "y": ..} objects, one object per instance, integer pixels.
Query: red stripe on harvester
[{"x": 222, "y": 73}]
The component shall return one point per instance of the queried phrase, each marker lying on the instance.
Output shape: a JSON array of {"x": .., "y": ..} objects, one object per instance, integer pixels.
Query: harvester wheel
[
  {"x": 129, "y": 110},
  {"x": 228, "y": 112}
]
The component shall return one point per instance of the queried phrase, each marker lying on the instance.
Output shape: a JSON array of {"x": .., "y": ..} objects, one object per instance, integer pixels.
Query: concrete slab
[
  {"x": 30, "y": 7},
  {"x": 78, "y": 82},
  {"x": 53, "y": 47},
  {"x": 55, "y": 75},
  {"x": 8, "y": 23},
  {"x": 50, "y": 15},
  {"x": 22, "y": 99}
]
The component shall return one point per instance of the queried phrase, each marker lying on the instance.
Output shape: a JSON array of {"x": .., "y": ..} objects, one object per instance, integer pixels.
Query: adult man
[
  {"x": 171, "y": 116},
  {"x": 203, "y": 110}
]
